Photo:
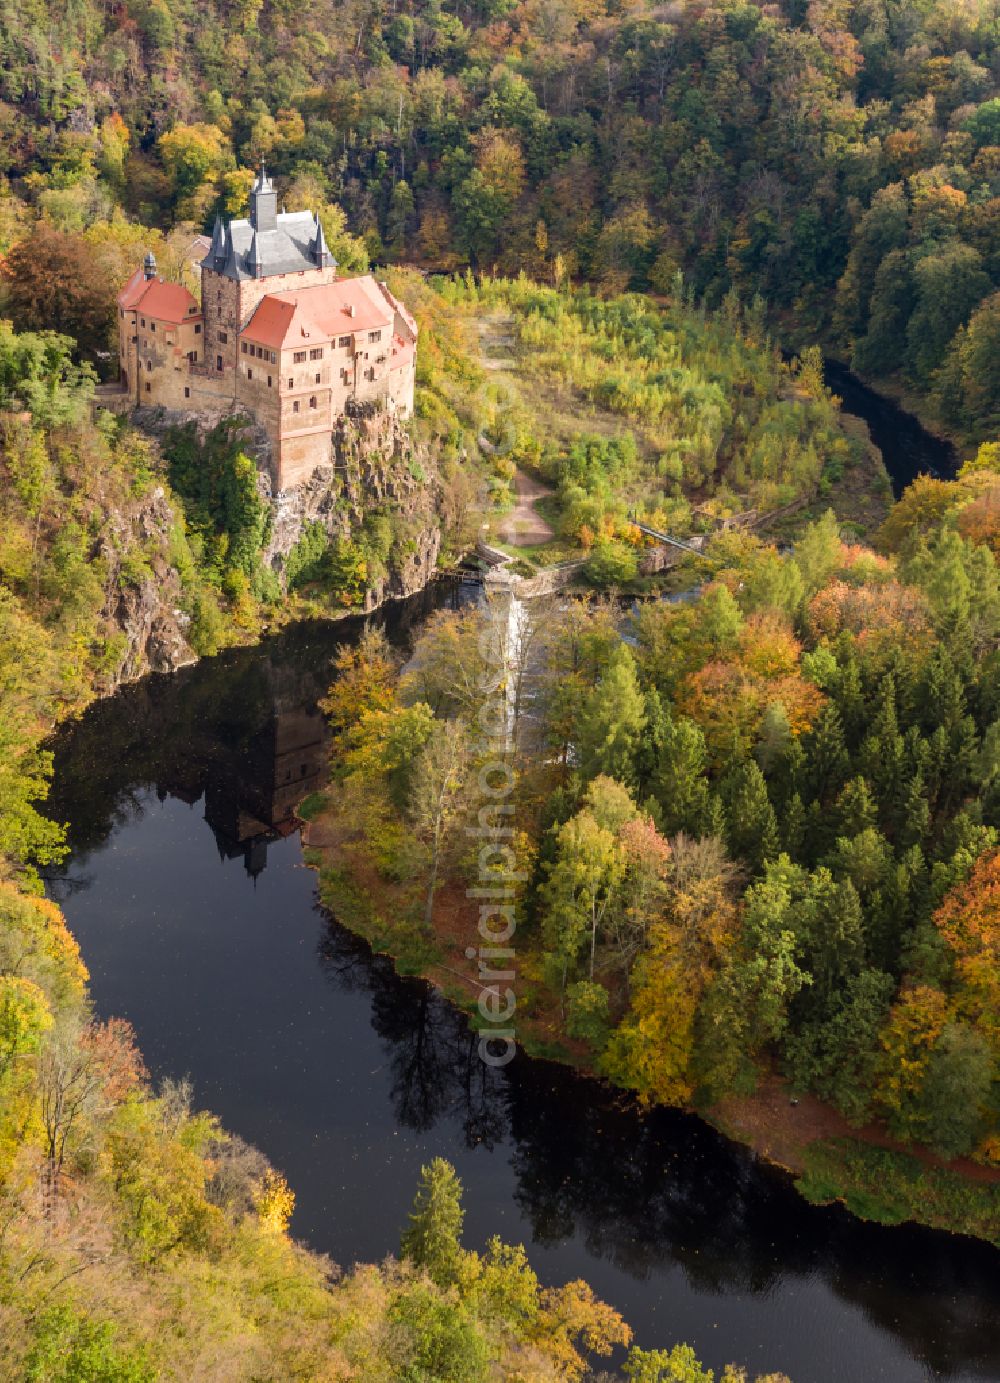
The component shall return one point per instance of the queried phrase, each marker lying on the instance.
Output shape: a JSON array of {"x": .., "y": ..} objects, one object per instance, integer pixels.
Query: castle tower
[{"x": 263, "y": 203}]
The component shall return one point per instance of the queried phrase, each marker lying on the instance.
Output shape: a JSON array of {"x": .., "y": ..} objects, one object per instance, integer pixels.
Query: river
[
  {"x": 907, "y": 448},
  {"x": 186, "y": 889}
]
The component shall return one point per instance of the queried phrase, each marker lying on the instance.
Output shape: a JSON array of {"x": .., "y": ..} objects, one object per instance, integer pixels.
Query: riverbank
[{"x": 871, "y": 1174}]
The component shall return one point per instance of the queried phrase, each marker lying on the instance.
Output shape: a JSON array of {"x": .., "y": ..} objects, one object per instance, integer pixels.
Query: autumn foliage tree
[{"x": 52, "y": 283}]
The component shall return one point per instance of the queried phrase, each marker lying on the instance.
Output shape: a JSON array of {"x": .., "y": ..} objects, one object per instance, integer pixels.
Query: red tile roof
[
  {"x": 309, "y": 316},
  {"x": 165, "y": 302},
  {"x": 271, "y": 322},
  {"x": 132, "y": 292},
  {"x": 399, "y": 307}
]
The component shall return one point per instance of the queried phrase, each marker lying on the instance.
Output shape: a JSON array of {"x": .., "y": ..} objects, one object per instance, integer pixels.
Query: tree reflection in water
[
  {"x": 432, "y": 1052},
  {"x": 649, "y": 1191}
]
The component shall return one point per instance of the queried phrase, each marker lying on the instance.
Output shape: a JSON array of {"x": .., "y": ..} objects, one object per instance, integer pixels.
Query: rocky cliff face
[
  {"x": 143, "y": 597},
  {"x": 373, "y": 465}
]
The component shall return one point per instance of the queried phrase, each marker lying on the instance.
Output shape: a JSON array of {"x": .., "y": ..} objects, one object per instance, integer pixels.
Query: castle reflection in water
[
  {"x": 256, "y": 805},
  {"x": 253, "y": 780}
]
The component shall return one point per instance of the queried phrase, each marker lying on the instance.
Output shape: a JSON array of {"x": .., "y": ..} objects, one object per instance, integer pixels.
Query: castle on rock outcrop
[{"x": 277, "y": 334}]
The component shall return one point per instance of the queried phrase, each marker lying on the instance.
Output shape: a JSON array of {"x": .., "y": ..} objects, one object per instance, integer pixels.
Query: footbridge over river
[{"x": 695, "y": 546}]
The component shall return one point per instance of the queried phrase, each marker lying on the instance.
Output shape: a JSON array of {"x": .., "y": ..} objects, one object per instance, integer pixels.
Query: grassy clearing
[{"x": 892, "y": 1187}]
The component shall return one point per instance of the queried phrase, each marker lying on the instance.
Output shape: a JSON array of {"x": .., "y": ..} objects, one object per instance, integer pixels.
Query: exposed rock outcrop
[
  {"x": 373, "y": 466},
  {"x": 143, "y": 594}
]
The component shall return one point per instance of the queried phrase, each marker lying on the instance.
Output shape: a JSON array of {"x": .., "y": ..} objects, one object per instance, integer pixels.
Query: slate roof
[{"x": 286, "y": 250}]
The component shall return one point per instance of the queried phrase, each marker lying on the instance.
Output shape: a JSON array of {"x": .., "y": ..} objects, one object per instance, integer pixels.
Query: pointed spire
[
  {"x": 254, "y": 257},
  {"x": 149, "y": 265},
  {"x": 217, "y": 253},
  {"x": 230, "y": 265},
  {"x": 318, "y": 247}
]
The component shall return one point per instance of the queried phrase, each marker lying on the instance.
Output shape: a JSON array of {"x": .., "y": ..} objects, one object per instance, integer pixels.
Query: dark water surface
[
  {"x": 908, "y": 449},
  {"x": 199, "y": 923}
]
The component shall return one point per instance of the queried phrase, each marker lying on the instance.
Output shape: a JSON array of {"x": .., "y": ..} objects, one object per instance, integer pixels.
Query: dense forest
[
  {"x": 838, "y": 160},
  {"x": 759, "y": 825},
  {"x": 758, "y": 832},
  {"x": 139, "y": 1240}
]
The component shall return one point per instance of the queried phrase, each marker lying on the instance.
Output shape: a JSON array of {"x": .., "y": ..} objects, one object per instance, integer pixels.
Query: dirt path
[
  {"x": 523, "y": 527},
  {"x": 497, "y": 341},
  {"x": 781, "y": 1131}
]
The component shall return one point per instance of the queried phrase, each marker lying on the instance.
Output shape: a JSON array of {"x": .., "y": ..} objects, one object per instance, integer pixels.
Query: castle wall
[
  {"x": 252, "y": 290},
  {"x": 301, "y": 453},
  {"x": 153, "y": 359},
  {"x": 198, "y": 367},
  {"x": 399, "y": 386}
]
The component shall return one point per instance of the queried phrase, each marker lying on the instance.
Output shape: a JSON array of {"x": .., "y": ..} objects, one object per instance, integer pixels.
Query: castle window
[
  {"x": 193, "y": 357},
  {"x": 143, "y": 321},
  {"x": 187, "y": 392},
  {"x": 149, "y": 388},
  {"x": 249, "y": 374},
  {"x": 295, "y": 406},
  {"x": 152, "y": 326},
  {"x": 344, "y": 341},
  {"x": 223, "y": 336},
  {"x": 269, "y": 381},
  {"x": 218, "y": 362},
  {"x": 375, "y": 335},
  {"x": 298, "y": 357},
  {"x": 197, "y": 328},
  {"x": 344, "y": 376},
  {"x": 316, "y": 353},
  {"x": 273, "y": 358},
  {"x": 149, "y": 364},
  {"x": 291, "y": 384},
  {"x": 243, "y": 347},
  {"x": 318, "y": 377},
  {"x": 312, "y": 401}
]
